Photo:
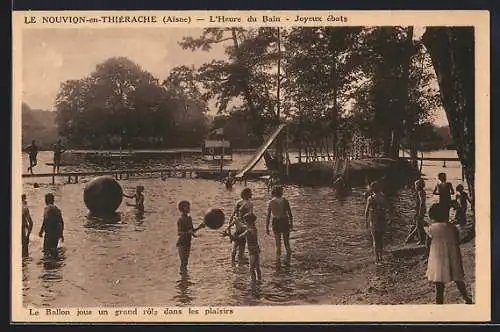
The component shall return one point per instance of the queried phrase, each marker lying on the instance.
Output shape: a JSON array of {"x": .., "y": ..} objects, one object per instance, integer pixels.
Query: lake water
[{"x": 135, "y": 261}]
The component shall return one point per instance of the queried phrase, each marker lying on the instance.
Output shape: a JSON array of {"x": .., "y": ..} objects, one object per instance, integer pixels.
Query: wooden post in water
[
  {"x": 222, "y": 160},
  {"x": 287, "y": 156}
]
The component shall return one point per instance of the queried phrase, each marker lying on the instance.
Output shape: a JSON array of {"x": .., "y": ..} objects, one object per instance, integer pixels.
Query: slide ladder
[{"x": 260, "y": 152}]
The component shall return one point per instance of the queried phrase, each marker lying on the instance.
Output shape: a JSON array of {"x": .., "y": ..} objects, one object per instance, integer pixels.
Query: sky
[{"x": 53, "y": 56}]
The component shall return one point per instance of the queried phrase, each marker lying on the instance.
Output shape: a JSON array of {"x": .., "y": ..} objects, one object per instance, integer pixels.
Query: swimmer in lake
[
  {"x": 282, "y": 219},
  {"x": 250, "y": 234},
  {"x": 229, "y": 181},
  {"x": 52, "y": 226},
  {"x": 27, "y": 226},
  {"x": 185, "y": 232},
  {"x": 242, "y": 207},
  {"x": 139, "y": 198}
]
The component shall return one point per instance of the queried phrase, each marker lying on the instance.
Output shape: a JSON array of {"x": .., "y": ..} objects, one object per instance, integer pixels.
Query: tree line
[{"x": 327, "y": 82}]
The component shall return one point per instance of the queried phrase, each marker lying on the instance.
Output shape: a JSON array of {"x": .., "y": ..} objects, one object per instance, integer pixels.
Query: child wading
[
  {"x": 461, "y": 205},
  {"x": 242, "y": 207},
  {"x": 445, "y": 260},
  {"x": 52, "y": 226},
  {"x": 445, "y": 191},
  {"x": 139, "y": 198},
  {"x": 185, "y": 231},
  {"x": 250, "y": 234},
  {"x": 418, "y": 228},
  {"x": 282, "y": 222},
  {"x": 375, "y": 219},
  {"x": 27, "y": 226}
]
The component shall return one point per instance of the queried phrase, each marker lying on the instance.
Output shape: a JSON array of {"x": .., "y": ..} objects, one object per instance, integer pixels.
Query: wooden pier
[{"x": 123, "y": 174}]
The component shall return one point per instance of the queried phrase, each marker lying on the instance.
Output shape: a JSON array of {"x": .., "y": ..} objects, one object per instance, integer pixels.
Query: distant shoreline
[{"x": 191, "y": 150}]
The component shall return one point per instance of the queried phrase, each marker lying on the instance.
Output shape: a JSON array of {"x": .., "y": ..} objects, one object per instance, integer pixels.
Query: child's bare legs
[
  {"x": 241, "y": 248},
  {"x": 286, "y": 241},
  {"x": 380, "y": 246},
  {"x": 257, "y": 267},
  {"x": 233, "y": 252},
  {"x": 184, "y": 257},
  {"x": 252, "y": 266},
  {"x": 277, "y": 238},
  {"x": 375, "y": 245},
  {"x": 463, "y": 291},
  {"x": 439, "y": 292},
  {"x": 255, "y": 272}
]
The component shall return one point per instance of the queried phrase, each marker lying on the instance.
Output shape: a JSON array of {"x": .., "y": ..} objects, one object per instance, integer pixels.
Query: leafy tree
[
  {"x": 119, "y": 103},
  {"x": 38, "y": 125},
  {"x": 398, "y": 95},
  {"x": 452, "y": 53}
]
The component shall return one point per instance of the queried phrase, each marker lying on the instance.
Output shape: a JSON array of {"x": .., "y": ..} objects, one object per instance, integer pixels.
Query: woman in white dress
[{"x": 445, "y": 260}]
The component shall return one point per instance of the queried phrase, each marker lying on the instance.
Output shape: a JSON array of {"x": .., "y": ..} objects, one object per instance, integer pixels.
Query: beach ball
[
  {"x": 102, "y": 196},
  {"x": 214, "y": 218}
]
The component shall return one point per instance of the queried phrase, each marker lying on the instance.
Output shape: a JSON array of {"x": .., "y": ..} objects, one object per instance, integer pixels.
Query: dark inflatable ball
[
  {"x": 102, "y": 196},
  {"x": 214, "y": 218}
]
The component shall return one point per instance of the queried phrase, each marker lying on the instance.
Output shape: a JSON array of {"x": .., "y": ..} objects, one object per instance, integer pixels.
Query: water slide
[{"x": 260, "y": 152}]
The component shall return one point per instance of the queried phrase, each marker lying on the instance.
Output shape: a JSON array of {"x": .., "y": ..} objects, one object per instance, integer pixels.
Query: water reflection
[
  {"x": 184, "y": 294},
  {"x": 103, "y": 223},
  {"x": 52, "y": 275}
]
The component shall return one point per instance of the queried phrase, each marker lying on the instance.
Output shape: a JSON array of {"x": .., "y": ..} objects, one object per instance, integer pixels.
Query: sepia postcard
[{"x": 250, "y": 166}]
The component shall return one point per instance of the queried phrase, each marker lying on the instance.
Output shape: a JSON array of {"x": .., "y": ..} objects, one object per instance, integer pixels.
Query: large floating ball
[
  {"x": 214, "y": 218},
  {"x": 102, "y": 196}
]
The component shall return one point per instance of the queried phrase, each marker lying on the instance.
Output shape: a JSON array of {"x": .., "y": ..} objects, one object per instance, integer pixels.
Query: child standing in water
[
  {"x": 27, "y": 226},
  {"x": 445, "y": 190},
  {"x": 445, "y": 260},
  {"x": 282, "y": 219},
  {"x": 461, "y": 205},
  {"x": 418, "y": 228},
  {"x": 186, "y": 232},
  {"x": 242, "y": 207},
  {"x": 229, "y": 181},
  {"x": 139, "y": 198},
  {"x": 250, "y": 234},
  {"x": 375, "y": 219},
  {"x": 52, "y": 226}
]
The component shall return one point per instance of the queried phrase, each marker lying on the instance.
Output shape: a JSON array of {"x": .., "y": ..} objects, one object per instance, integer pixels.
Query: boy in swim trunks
[
  {"x": 185, "y": 231},
  {"x": 27, "y": 226},
  {"x": 250, "y": 234},
  {"x": 139, "y": 198},
  {"x": 52, "y": 226},
  {"x": 242, "y": 207},
  {"x": 282, "y": 219}
]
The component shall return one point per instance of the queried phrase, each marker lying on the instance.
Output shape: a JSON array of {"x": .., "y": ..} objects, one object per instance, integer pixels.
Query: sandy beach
[{"x": 403, "y": 281}]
